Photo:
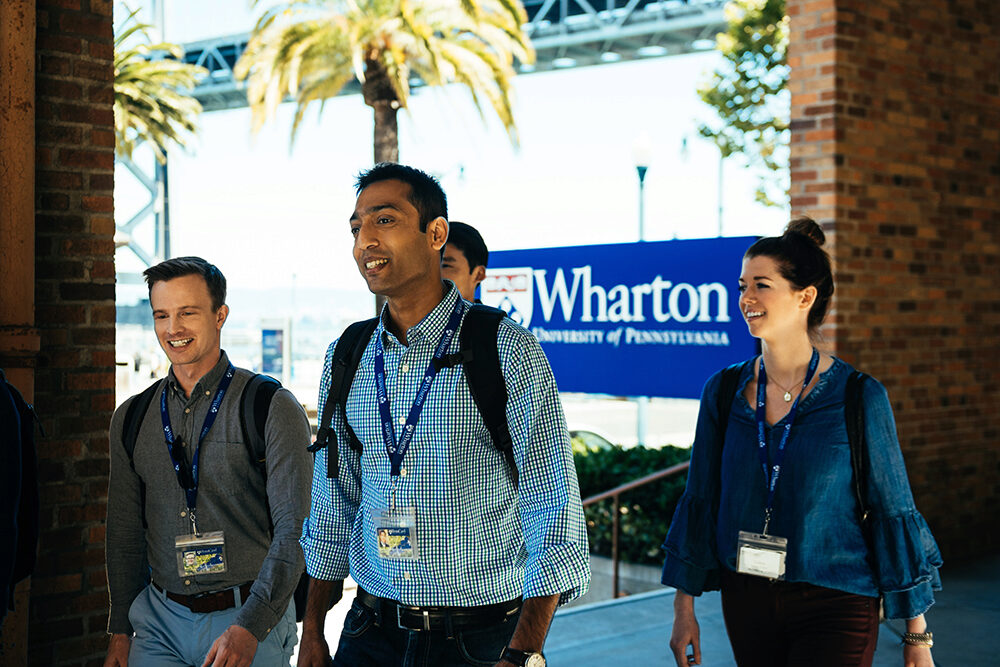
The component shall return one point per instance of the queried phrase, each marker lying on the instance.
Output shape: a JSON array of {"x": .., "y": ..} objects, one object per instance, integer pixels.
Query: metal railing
[{"x": 615, "y": 495}]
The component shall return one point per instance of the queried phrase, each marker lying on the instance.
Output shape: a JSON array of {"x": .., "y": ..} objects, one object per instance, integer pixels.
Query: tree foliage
[
  {"x": 749, "y": 93},
  {"x": 152, "y": 94},
  {"x": 311, "y": 49}
]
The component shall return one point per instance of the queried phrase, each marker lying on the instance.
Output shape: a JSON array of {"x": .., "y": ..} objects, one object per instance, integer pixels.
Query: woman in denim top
[{"x": 825, "y": 609}]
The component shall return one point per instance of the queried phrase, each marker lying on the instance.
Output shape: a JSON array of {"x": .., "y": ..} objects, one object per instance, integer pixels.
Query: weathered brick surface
[
  {"x": 75, "y": 315},
  {"x": 896, "y": 151}
]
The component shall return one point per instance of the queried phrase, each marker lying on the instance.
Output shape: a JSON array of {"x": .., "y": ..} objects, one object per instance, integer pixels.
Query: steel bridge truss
[{"x": 565, "y": 34}]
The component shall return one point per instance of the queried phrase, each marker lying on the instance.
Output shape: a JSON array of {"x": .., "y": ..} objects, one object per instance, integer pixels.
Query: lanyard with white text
[
  {"x": 188, "y": 478},
  {"x": 396, "y": 450},
  {"x": 771, "y": 472}
]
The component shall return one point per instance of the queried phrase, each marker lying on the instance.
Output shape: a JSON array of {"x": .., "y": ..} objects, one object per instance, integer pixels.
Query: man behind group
[
  {"x": 465, "y": 259},
  {"x": 465, "y": 543},
  {"x": 190, "y": 507}
]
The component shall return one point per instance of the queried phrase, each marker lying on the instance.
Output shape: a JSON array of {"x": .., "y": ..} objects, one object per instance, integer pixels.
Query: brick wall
[
  {"x": 896, "y": 151},
  {"x": 75, "y": 314}
]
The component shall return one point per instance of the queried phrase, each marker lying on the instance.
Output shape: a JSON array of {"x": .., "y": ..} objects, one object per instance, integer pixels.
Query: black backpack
[
  {"x": 854, "y": 417},
  {"x": 255, "y": 402},
  {"x": 19, "y": 490},
  {"x": 477, "y": 354}
]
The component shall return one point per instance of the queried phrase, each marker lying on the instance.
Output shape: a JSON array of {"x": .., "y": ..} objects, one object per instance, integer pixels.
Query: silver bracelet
[{"x": 919, "y": 639}]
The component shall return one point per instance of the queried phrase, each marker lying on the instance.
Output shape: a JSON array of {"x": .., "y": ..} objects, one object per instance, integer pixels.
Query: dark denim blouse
[{"x": 814, "y": 507}]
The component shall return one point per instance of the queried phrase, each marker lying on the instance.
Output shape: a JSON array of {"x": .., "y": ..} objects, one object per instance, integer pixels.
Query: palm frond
[
  {"x": 152, "y": 100},
  {"x": 308, "y": 50}
]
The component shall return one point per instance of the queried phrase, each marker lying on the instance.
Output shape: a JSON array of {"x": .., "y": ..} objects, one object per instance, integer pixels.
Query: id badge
[
  {"x": 203, "y": 553},
  {"x": 761, "y": 555},
  {"x": 396, "y": 533}
]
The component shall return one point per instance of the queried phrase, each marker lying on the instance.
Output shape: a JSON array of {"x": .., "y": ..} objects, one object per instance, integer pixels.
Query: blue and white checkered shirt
[{"x": 480, "y": 540}]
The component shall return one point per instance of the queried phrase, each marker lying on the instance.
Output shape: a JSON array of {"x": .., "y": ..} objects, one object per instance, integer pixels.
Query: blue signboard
[
  {"x": 272, "y": 351},
  {"x": 636, "y": 319}
]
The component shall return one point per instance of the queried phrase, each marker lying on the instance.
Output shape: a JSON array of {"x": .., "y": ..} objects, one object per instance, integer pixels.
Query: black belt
[
  {"x": 205, "y": 603},
  {"x": 437, "y": 618}
]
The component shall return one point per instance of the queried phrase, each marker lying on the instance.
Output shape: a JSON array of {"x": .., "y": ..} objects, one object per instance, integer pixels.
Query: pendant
[{"x": 788, "y": 397}]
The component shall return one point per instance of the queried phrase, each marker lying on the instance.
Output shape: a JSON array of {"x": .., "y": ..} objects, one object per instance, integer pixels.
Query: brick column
[
  {"x": 896, "y": 151},
  {"x": 75, "y": 314}
]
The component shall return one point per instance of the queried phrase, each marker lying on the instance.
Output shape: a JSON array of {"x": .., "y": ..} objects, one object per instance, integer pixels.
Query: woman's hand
[
  {"x": 686, "y": 632},
  {"x": 917, "y": 656}
]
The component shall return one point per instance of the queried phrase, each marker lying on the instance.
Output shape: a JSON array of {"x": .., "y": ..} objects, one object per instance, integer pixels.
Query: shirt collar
[
  {"x": 208, "y": 381},
  {"x": 431, "y": 327}
]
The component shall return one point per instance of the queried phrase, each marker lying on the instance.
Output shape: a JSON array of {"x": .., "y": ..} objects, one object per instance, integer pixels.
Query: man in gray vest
[{"x": 192, "y": 508}]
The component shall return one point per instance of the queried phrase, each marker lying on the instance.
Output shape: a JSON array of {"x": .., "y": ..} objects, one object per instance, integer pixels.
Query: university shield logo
[{"x": 511, "y": 291}]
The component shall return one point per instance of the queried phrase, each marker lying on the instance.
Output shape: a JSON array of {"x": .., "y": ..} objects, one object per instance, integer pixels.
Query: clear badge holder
[
  {"x": 200, "y": 553},
  {"x": 761, "y": 555}
]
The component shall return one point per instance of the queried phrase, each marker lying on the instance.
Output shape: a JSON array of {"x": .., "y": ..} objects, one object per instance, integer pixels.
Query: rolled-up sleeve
[
  {"x": 906, "y": 557},
  {"x": 692, "y": 562},
  {"x": 287, "y": 435},
  {"x": 326, "y": 532},
  {"x": 555, "y": 531}
]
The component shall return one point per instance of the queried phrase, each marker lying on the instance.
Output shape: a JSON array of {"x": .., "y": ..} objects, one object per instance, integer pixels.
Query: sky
[{"x": 272, "y": 215}]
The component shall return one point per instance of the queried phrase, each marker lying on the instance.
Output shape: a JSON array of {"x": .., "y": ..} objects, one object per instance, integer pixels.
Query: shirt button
[
  {"x": 183, "y": 444},
  {"x": 187, "y": 410},
  {"x": 184, "y": 513},
  {"x": 402, "y": 472},
  {"x": 406, "y": 575},
  {"x": 401, "y": 421},
  {"x": 208, "y": 393},
  {"x": 187, "y": 582},
  {"x": 405, "y": 368}
]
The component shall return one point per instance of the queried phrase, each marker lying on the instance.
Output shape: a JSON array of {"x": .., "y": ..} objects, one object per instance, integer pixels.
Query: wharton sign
[{"x": 635, "y": 319}]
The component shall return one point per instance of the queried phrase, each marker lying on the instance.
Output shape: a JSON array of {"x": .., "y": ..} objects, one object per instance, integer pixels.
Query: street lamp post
[{"x": 641, "y": 155}]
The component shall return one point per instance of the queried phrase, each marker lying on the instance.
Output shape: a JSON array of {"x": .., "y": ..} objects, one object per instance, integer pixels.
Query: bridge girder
[{"x": 565, "y": 34}]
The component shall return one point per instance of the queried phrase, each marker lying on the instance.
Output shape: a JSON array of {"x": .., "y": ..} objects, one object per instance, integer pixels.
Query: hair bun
[{"x": 806, "y": 227}]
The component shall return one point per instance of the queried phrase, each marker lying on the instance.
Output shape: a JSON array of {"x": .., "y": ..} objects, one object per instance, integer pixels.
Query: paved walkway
[{"x": 634, "y": 631}]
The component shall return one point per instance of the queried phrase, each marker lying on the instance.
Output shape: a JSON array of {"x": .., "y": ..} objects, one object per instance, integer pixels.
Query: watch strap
[{"x": 518, "y": 657}]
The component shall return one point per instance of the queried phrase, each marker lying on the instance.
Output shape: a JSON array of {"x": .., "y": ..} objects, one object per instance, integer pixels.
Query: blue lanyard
[
  {"x": 397, "y": 450},
  {"x": 773, "y": 471},
  {"x": 188, "y": 479}
]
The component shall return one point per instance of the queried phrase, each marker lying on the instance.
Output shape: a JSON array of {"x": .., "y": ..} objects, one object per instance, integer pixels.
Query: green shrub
[{"x": 645, "y": 512}]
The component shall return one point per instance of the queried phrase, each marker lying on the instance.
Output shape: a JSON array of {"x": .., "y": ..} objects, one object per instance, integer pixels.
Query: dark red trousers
[{"x": 780, "y": 624}]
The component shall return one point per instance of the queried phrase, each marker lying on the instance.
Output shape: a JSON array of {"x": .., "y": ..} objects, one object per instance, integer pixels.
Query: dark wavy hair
[
  {"x": 426, "y": 193},
  {"x": 190, "y": 266},
  {"x": 800, "y": 257}
]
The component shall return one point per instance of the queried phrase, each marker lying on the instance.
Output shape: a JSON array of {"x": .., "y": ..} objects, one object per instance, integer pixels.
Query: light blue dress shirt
[
  {"x": 480, "y": 540},
  {"x": 815, "y": 506}
]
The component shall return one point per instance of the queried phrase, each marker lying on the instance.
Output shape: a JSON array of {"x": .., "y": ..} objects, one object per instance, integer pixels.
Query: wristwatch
[{"x": 523, "y": 658}]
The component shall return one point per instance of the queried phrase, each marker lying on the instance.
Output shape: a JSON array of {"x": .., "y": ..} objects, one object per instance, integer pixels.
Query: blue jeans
[
  {"x": 168, "y": 634},
  {"x": 366, "y": 642}
]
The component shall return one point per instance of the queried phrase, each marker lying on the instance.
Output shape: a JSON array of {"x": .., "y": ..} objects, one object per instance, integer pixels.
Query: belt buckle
[{"x": 399, "y": 618}]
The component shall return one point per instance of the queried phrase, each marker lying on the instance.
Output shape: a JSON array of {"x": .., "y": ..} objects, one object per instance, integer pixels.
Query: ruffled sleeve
[
  {"x": 692, "y": 562},
  {"x": 905, "y": 556}
]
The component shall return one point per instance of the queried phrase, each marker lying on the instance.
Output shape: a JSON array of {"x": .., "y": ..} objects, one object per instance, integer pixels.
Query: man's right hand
[
  {"x": 313, "y": 650},
  {"x": 118, "y": 651}
]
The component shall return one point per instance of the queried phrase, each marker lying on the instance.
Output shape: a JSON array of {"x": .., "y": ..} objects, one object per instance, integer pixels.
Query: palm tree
[
  {"x": 311, "y": 49},
  {"x": 152, "y": 98}
]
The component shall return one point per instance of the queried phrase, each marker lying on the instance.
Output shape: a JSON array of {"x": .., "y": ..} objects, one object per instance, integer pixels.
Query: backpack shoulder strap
[
  {"x": 130, "y": 434},
  {"x": 133, "y": 418},
  {"x": 854, "y": 417},
  {"x": 727, "y": 392},
  {"x": 255, "y": 403},
  {"x": 481, "y": 361},
  {"x": 346, "y": 357}
]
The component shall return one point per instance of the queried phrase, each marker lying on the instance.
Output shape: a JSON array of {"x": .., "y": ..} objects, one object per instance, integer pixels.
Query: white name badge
[
  {"x": 202, "y": 553},
  {"x": 761, "y": 555},
  {"x": 396, "y": 533}
]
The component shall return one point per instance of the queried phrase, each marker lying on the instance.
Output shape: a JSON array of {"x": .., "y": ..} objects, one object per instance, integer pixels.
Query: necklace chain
[{"x": 788, "y": 392}]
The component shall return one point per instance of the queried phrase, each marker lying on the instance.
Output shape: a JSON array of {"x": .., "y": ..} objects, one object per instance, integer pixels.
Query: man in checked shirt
[{"x": 475, "y": 566}]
